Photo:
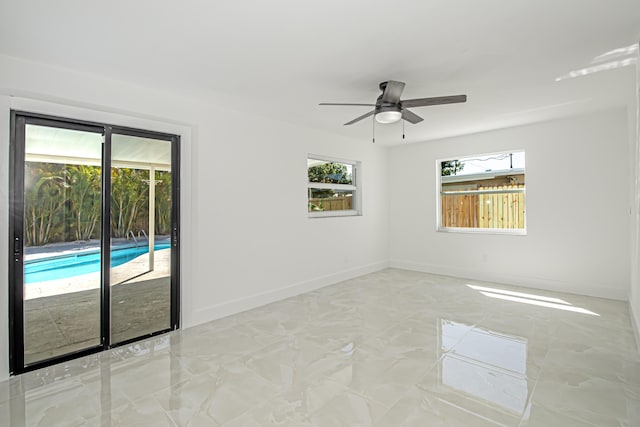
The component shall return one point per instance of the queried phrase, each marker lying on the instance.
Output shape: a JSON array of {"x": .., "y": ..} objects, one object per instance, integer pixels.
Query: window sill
[
  {"x": 333, "y": 214},
  {"x": 512, "y": 232}
]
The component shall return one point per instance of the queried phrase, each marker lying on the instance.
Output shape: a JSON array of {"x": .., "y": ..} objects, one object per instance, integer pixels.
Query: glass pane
[
  {"x": 329, "y": 172},
  {"x": 485, "y": 191},
  {"x": 140, "y": 231},
  {"x": 62, "y": 197},
  {"x": 321, "y": 199},
  {"x": 483, "y": 164}
]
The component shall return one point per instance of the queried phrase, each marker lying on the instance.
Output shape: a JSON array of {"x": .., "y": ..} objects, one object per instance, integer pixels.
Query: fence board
[
  {"x": 333, "y": 203},
  {"x": 480, "y": 211},
  {"x": 521, "y": 213},
  {"x": 499, "y": 211},
  {"x": 511, "y": 208},
  {"x": 494, "y": 210}
]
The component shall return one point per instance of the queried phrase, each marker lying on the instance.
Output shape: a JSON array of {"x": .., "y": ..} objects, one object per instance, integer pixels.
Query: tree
[
  {"x": 163, "y": 202},
  {"x": 85, "y": 185},
  {"x": 63, "y": 202},
  {"x": 43, "y": 201},
  {"x": 335, "y": 173},
  {"x": 129, "y": 192},
  {"x": 451, "y": 167}
]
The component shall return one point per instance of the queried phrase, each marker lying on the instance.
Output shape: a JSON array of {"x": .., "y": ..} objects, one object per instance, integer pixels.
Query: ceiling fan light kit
[
  {"x": 389, "y": 116},
  {"x": 389, "y": 108}
]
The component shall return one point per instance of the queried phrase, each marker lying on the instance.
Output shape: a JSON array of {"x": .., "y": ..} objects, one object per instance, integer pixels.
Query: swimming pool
[{"x": 69, "y": 265}]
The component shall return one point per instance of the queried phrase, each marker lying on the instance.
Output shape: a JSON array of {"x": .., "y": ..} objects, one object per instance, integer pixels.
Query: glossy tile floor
[{"x": 393, "y": 348}]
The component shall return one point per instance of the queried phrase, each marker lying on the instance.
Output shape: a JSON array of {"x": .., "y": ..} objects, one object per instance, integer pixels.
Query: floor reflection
[{"x": 485, "y": 364}]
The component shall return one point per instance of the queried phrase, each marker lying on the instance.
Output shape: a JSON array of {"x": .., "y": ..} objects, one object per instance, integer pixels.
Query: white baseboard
[
  {"x": 588, "y": 289},
  {"x": 635, "y": 324},
  {"x": 228, "y": 308}
]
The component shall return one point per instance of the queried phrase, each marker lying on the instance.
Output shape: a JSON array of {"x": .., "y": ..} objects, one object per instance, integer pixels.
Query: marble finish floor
[{"x": 393, "y": 348}]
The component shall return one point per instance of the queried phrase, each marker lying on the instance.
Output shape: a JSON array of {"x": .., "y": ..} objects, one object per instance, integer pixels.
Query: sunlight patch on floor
[{"x": 532, "y": 299}]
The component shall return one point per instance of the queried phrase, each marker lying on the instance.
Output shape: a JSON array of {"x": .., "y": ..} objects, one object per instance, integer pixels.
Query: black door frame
[{"x": 19, "y": 119}]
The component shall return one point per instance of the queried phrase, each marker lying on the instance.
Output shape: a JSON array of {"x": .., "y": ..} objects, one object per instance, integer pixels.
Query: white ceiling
[{"x": 281, "y": 58}]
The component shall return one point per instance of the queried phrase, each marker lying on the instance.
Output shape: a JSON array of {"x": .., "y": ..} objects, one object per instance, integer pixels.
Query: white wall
[
  {"x": 4, "y": 247},
  {"x": 634, "y": 132},
  {"x": 577, "y": 177},
  {"x": 247, "y": 239}
]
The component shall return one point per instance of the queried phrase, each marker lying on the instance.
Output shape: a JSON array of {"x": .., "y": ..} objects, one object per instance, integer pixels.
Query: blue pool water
[{"x": 69, "y": 265}]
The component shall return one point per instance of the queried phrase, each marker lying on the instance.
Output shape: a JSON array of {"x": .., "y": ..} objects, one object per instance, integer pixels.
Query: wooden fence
[
  {"x": 332, "y": 204},
  {"x": 496, "y": 208}
]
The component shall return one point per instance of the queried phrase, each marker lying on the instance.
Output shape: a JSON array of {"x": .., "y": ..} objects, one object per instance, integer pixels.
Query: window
[
  {"x": 332, "y": 187},
  {"x": 484, "y": 193}
]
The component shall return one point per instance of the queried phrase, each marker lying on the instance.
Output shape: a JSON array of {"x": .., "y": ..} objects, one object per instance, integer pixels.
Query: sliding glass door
[
  {"x": 95, "y": 238},
  {"x": 140, "y": 236},
  {"x": 61, "y": 239}
]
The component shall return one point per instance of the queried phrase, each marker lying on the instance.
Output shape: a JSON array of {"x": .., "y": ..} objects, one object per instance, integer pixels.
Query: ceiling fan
[{"x": 389, "y": 108}]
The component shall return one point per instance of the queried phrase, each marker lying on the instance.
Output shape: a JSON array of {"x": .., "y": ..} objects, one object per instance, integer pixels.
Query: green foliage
[
  {"x": 163, "y": 202},
  {"x": 335, "y": 173},
  {"x": 451, "y": 167},
  {"x": 63, "y": 202},
  {"x": 44, "y": 199},
  {"x": 85, "y": 186},
  {"x": 129, "y": 193},
  {"x": 316, "y": 208}
]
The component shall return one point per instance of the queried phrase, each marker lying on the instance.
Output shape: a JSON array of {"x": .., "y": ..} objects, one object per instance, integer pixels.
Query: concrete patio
[{"x": 63, "y": 316}]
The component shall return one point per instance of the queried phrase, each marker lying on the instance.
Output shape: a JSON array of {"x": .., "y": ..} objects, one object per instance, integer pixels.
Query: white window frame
[
  {"x": 356, "y": 187},
  {"x": 471, "y": 230}
]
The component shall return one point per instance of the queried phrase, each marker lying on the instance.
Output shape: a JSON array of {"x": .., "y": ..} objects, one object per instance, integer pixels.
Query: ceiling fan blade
[
  {"x": 392, "y": 92},
  {"x": 333, "y": 103},
  {"x": 411, "y": 117},
  {"x": 357, "y": 119},
  {"x": 438, "y": 100}
]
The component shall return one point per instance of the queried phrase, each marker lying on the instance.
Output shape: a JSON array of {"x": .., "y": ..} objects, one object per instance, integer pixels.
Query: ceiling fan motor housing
[{"x": 382, "y": 106}]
